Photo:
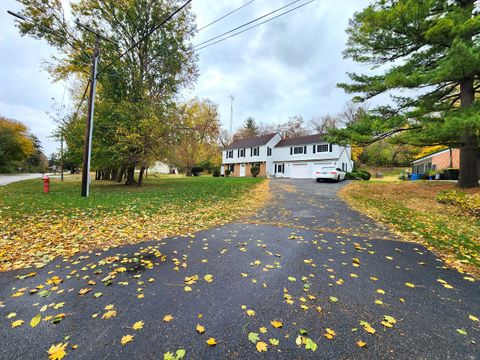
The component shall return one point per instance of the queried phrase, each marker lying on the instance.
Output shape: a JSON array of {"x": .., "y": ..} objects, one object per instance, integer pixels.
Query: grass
[
  {"x": 389, "y": 174},
  {"x": 36, "y": 227},
  {"x": 411, "y": 209}
]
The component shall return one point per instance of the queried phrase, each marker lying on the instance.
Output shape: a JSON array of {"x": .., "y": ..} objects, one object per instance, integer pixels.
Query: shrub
[
  {"x": 352, "y": 176},
  {"x": 451, "y": 174},
  {"x": 255, "y": 170},
  {"x": 227, "y": 173},
  {"x": 470, "y": 203},
  {"x": 196, "y": 170},
  {"x": 364, "y": 175},
  {"x": 216, "y": 172}
]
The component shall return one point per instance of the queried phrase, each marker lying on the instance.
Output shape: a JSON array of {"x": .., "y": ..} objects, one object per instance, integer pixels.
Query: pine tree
[{"x": 426, "y": 55}]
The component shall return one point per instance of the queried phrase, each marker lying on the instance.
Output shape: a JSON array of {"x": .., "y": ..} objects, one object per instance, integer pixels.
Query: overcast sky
[{"x": 289, "y": 66}]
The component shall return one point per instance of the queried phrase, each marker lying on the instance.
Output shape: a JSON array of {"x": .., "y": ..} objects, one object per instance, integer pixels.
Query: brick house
[{"x": 443, "y": 159}]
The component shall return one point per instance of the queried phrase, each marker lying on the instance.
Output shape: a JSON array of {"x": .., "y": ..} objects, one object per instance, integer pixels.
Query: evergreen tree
[{"x": 430, "y": 48}]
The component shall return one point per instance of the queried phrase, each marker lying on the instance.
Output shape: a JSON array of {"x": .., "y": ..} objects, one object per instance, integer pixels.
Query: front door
[{"x": 242, "y": 170}]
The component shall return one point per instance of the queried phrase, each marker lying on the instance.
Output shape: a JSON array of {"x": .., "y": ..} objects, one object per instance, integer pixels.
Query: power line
[
  {"x": 198, "y": 47},
  {"x": 247, "y": 23},
  {"x": 224, "y": 16},
  {"x": 146, "y": 36}
]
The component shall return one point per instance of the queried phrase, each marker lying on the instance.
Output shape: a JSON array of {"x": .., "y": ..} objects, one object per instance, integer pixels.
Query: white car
[{"x": 330, "y": 173}]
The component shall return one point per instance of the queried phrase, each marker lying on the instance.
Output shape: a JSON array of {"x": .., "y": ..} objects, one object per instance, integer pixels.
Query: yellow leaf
[
  {"x": 57, "y": 352},
  {"x": 250, "y": 312},
  {"x": 168, "y": 318},
  {"x": 11, "y": 315},
  {"x": 138, "y": 325},
  {"x": 473, "y": 318},
  {"x": 200, "y": 329},
  {"x": 380, "y": 291},
  {"x": 360, "y": 343},
  {"x": 208, "y": 278},
  {"x": 188, "y": 288},
  {"x": 35, "y": 320},
  {"x": 17, "y": 323},
  {"x": 386, "y": 324},
  {"x": 109, "y": 314},
  {"x": 276, "y": 323},
  {"x": 84, "y": 291},
  {"x": 211, "y": 342},
  {"x": 378, "y": 302},
  {"x": 390, "y": 319},
  {"x": 109, "y": 307},
  {"x": 261, "y": 346},
  {"x": 263, "y": 329},
  {"x": 126, "y": 339},
  {"x": 410, "y": 284}
]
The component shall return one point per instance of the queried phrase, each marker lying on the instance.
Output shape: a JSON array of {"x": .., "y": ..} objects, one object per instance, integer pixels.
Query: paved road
[
  {"x": 8, "y": 179},
  {"x": 306, "y": 260}
]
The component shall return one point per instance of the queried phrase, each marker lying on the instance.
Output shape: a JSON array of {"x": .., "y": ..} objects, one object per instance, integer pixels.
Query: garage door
[
  {"x": 318, "y": 166},
  {"x": 299, "y": 171}
]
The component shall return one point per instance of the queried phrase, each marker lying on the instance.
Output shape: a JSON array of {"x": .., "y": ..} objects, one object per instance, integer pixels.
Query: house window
[
  {"x": 231, "y": 167},
  {"x": 298, "y": 150},
  {"x": 322, "y": 148},
  {"x": 279, "y": 168},
  {"x": 241, "y": 153},
  {"x": 230, "y": 154},
  {"x": 269, "y": 151},
  {"x": 255, "y": 151}
]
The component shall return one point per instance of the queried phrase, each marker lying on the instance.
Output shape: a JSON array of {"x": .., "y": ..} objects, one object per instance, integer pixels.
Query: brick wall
[
  {"x": 248, "y": 166},
  {"x": 442, "y": 161}
]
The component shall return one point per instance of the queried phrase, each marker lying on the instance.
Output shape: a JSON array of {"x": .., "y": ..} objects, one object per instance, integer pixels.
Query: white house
[
  {"x": 241, "y": 155},
  {"x": 299, "y": 157}
]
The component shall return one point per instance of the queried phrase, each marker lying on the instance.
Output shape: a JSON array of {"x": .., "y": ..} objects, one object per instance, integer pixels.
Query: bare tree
[{"x": 321, "y": 124}]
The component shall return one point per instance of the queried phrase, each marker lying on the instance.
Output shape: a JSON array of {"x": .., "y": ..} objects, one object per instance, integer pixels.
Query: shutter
[
  {"x": 314, "y": 149},
  {"x": 291, "y": 151},
  {"x": 251, "y": 151},
  {"x": 305, "y": 149},
  {"x": 330, "y": 149}
]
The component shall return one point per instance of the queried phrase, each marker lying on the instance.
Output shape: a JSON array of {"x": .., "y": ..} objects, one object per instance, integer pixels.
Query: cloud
[{"x": 289, "y": 66}]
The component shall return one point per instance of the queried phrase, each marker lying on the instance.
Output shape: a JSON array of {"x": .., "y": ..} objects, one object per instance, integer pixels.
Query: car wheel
[
  {"x": 318, "y": 180},
  {"x": 338, "y": 179}
]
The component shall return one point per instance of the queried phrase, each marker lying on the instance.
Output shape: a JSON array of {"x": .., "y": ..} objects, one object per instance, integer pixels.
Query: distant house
[
  {"x": 298, "y": 158},
  {"x": 443, "y": 159},
  {"x": 162, "y": 168}
]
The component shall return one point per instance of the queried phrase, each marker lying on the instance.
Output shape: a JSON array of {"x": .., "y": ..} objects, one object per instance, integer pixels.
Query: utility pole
[
  {"x": 61, "y": 156},
  {"x": 87, "y": 149},
  {"x": 231, "y": 114}
]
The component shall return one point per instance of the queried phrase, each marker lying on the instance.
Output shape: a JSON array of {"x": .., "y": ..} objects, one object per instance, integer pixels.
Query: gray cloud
[{"x": 286, "y": 67}]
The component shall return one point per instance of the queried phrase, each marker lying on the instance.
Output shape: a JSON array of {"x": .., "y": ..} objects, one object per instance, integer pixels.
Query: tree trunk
[
  {"x": 114, "y": 175},
  {"x": 131, "y": 176},
  {"x": 468, "y": 142},
  {"x": 120, "y": 174},
  {"x": 140, "y": 177}
]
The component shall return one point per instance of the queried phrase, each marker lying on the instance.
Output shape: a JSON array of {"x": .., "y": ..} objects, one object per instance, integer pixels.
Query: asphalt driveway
[{"x": 306, "y": 273}]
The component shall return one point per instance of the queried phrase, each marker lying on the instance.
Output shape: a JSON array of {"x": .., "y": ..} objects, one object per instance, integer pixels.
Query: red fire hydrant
[{"x": 46, "y": 183}]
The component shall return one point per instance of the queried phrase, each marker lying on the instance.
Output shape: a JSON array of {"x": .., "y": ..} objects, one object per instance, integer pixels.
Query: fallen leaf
[
  {"x": 276, "y": 323},
  {"x": 17, "y": 323},
  {"x": 35, "y": 320},
  {"x": 208, "y": 278},
  {"x": 57, "y": 352},
  {"x": 253, "y": 337},
  {"x": 361, "y": 344},
  {"x": 138, "y": 325},
  {"x": 200, "y": 329},
  {"x": 211, "y": 342},
  {"x": 274, "y": 342},
  {"x": 126, "y": 339},
  {"x": 261, "y": 346},
  {"x": 410, "y": 285},
  {"x": 473, "y": 318},
  {"x": 84, "y": 291},
  {"x": 168, "y": 318}
]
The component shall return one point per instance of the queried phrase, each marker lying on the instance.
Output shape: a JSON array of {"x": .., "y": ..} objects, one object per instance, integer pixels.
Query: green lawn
[
  {"x": 27, "y": 197},
  {"x": 36, "y": 227}
]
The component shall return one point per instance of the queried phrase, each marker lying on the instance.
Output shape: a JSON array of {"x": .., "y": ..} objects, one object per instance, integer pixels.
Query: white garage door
[
  {"x": 299, "y": 171},
  {"x": 318, "y": 166}
]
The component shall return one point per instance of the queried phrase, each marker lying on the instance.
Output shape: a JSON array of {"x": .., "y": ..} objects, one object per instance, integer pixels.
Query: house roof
[
  {"x": 438, "y": 152},
  {"x": 301, "y": 140},
  {"x": 250, "y": 142}
]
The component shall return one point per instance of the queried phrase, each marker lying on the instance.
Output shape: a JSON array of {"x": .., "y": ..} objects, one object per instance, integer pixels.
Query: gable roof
[
  {"x": 250, "y": 142},
  {"x": 301, "y": 140}
]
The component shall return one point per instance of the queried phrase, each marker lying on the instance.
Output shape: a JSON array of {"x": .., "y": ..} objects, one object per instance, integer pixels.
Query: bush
[
  {"x": 358, "y": 175},
  {"x": 216, "y": 172},
  {"x": 196, "y": 170},
  {"x": 255, "y": 170},
  {"x": 468, "y": 203},
  {"x": 227, "y": 173},
  {"x": 451, "y": 174}
]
